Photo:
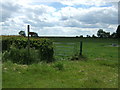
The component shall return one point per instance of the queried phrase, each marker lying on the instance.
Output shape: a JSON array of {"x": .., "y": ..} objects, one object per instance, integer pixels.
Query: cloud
[
  {"x": 65, "y": 31},
  {"x": 72, "y": 2},
  {"x": 86, "y": 2},
  {"x": 39, "y": 9},
  {"x": 106, "y": 15},
  {"x": 92, "y": 15},
  {"x": 76, "y": 18},
  {"x": 8, "y": 10}
]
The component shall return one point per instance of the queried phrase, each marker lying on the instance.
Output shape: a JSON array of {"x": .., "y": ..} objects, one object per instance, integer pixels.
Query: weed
[{"x": 59, "y": 65}]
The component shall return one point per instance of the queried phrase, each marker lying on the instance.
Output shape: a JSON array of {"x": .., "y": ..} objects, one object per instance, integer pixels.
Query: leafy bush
[
  {"x": 46, "y": 51},
  {"x": 43, "y": 46},
  {"x": 20, "y": 56},
  {"x": 6, "y": 43}
]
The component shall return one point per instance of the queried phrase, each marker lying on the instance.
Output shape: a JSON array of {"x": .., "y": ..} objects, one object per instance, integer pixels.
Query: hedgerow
[{"x": 42, "y": 45}]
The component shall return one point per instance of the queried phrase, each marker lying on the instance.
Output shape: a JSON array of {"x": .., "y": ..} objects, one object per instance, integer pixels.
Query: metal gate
[{"x": 65, "y": 49}]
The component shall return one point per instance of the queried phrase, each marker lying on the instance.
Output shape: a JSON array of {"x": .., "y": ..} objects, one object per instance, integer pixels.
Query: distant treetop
[{"x": 22, "y": 33}]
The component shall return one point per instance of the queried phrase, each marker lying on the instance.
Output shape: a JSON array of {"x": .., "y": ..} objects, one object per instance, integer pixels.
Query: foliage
[
  {"x": 100, "y": 33},
  {"x": 99, "y": 71},
  {"x": 103, "y": 34},
  {"x": 6, "y": 43},
  {"x": 88, "y": 36},
  {"x": 20, "y": 56},
  {"x": 81, "y": 36},
  {"x": 118, "y": 31},
  {"x": 22, "y": 33},
  {"x": 46, "y": 51},
  {"x": 93, "y": 36},
  {"x": 113, "y": 35},
  {"x": 44, "y": 46}
]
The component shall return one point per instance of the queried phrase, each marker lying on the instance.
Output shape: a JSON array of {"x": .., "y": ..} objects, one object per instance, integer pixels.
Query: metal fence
[{"x": 65, "y": 49}]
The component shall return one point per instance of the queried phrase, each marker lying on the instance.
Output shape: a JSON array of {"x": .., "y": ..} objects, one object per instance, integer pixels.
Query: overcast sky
[{"x": 59, "y": 17}]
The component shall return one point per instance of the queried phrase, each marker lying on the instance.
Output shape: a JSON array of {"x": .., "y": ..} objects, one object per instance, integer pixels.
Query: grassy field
[
  {"x": 92, "y": 48},
  {"x": 99, "y": 68}
]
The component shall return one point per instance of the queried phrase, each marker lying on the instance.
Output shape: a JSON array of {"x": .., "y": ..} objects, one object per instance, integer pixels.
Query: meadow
[{"x": 98, "y": 68}]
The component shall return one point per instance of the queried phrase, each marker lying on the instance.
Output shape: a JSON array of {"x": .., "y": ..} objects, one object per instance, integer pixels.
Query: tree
[
  {"x": 100, "y": 33},
  {"x": 93, "y": 36},
  {"x": 107, "y": 34},
  {"x": 113, "y": 35},
  {"x": 81, "y": 36},
  {"x": 22, "y": 33},
  {"x": 118, "y": 31},
  {"x": 103, "y": 34},
  {"x": 88, "y": 36}
]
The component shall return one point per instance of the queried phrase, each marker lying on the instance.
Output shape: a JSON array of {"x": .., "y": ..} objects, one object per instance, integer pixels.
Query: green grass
[
  {"x": 92, "y": 48},
  {"x": 75, "y": 74},
  {"x": 98, "y": 70}
]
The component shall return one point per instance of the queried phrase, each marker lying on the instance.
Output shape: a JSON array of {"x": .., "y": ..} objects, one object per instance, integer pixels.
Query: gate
[{"x": 63, "y": 50}]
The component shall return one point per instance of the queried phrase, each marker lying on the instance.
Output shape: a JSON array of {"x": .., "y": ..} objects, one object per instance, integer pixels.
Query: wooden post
[
  {"x": 80, "y": 47},
  {"x": 28, "y": 28}
]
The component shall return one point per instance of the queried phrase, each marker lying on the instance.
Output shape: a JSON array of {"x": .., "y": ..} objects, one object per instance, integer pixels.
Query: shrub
[
  {"x": 46, "y": 51},
  {"x": 43, "y": 46},
  {"x": 6, "y": 43},
  {"x": 20, "y": 56}
]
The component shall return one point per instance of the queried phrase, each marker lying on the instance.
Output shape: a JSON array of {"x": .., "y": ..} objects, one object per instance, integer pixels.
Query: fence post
[
  {"x": 80, "y": 47},
  {"x": 28, "y": 28}
]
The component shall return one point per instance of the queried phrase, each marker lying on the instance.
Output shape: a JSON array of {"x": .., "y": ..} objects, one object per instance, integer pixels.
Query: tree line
[
  {"x": 100, "y": 34},
  {"x": 103, "y": 34}
]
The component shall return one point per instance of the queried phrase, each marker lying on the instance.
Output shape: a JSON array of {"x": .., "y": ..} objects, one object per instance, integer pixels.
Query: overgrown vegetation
[
  {"x": 16, "y": 49},
  {"x": 97, "y": 68},
  {"x": 21, "y": 56}
]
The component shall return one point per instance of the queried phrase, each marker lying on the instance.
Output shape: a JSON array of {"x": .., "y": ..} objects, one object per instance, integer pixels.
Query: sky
[{"x": 58, "y": 17}]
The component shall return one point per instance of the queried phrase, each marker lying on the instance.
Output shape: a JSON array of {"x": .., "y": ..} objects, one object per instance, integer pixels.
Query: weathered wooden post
[
  {"x": 28, "y": 28},
  {"x": 80, "y": 47}
]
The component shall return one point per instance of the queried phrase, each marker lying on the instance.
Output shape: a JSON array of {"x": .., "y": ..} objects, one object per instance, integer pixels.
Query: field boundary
[{"x": 65, "y": 49}]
